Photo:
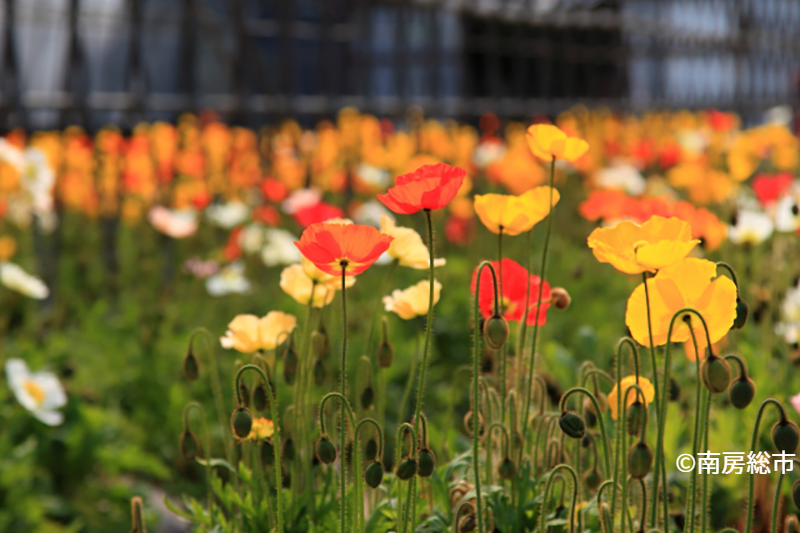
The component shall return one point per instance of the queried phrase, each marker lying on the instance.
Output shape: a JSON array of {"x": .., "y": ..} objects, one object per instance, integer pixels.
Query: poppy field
[{"x": 588, "y": 323}]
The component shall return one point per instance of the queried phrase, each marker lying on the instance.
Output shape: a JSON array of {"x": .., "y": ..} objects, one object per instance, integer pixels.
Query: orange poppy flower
[
  {"x": 333, "y": 247},
  {"x": 429, "y": 187}
]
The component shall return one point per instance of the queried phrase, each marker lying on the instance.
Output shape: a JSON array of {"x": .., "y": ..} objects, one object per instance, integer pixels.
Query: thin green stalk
[
  {"x": 207, "y": 454},
  {"x": 428, "y": 328},
  {"x": 704, "y": 495},
  {"x": 625, "y": 475},
  {"x": 539, "y": 306},
  {"x": 543, "y": 513},
  {"x": 656, "y": 396},
  {"x": 502, "y": 313},
  {"x": 753, "y": 443},
  {"x": 698, "y": 422},
  {"x": 300, "y": 402},
  {"x": 476, "y": 392},
  {"x": 342, "y": 421},
  {"x": 620, "y": 425},
  {"x": 273, "y": 404},
  {"x": 523, "y": 324}
]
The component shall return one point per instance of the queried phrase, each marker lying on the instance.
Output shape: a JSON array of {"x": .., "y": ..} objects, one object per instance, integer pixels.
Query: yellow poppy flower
[
  {"x": 7, "y": 247},
  {"x": 689, "y": 283},
  {"x": 262, "y": 429},
  {"x": 407, "y": 247},
  {"x": 413, "y": 301},
  {"x": 248, "y": 333},
  {"x": 514, "y": 214},
  {"x": 644, "y": 384},
  {"x": 633, "y": 249},
  {"x": 547, "y": 142},
  {"x": 296, "y": 283}
]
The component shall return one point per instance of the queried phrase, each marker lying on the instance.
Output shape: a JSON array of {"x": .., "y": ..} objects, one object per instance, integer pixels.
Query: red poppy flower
[
  {"x": 606, "y": 204},
  {"x": 332, "y": 246},
  {"x": 515, "y": 285},
  {"x": 267, "y": 214},
  {"x": 429, "y": 187},
  {"x": 273, "y": 190},
  {"x": 319, "y": 212},
  {"x": 769, "y": 188},
  {"x": 459, "y": 231},
  {"x": 201, "y": 200},
  {"x": 232, "y": 250}
]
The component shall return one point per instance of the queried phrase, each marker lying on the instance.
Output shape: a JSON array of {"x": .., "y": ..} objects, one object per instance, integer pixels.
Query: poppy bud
[
  {"x": 487, "y": 362},
  {"x": 191, "y": 366},
  {"x": 188, "y": 445},
  {"x": 426, "y": 461},
  {"x": 495, "y": 331},
  {"x": 506, "y": 469},
  {"x": 742, "y": 310},
  {"x": 674, "y": 391},
  {"x": 589, "y": 413},
  {"x": 406, "y": 469},
  {"x": 635, "y": 418},
  {"x": 371, "y": 450},
  {"x": 242, "y": 422},
  {"x": 640, "y": 458},
  {"x": 385, "y": 353},
  {"x": 716, "y": 374},
  {"x": 367, "y": 397},
  {"x": 560, "y": 298},
  {"x": 587, "y": 440},
  {"x": 467, "y": 524},
  {"x": 286, "y": 476},
  {"x": 260, "y": 397},
  {"x": 785, "y": 436},
  {"x": 572, "y": 424},
  {"x": 267, "y": 453},
  {"x": 319, "y": 373},
  {"x": 742, "y": 392},
  {"x": 592, "y": 479},
  {"x": 326, "y": 451},
  {"x": 373, "y": 475},
  {"x": 320, "y": 342},
  {"x": 137, "y": 515},
  {"x": 796, "y": 493},
  {"x": 468, "y": 424},
  {"x": 287, "y": 452},
  {"x": 290, "y": 365}
]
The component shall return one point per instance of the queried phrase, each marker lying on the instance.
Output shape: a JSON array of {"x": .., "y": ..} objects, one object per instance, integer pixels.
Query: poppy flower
[
  {"x": 296, "y": 283},
  {"x": 514, "y": 214},
  {"x": 515, "y": 285},
  {"x": 705, "y": 225},
  {"x": 248, "y": 333},
  {"x": 334, "y": 247},
  {"x": 407, "y": 247},
  {"x": 548, "y": 142},
  {"x": 606, "y": 205},
  {"x": 318, "y": 212},
  {"x": 429, "y": 187},
  {"x": 689, "y": 283},
  {"x": 459, "y": 231},
  {"x": 769, "y": 188},
  {"x": 751, "y": 228},
  {"x": 413, "y": 301},
  {"x": 622, "y": 388},
  {"x": 632, "y": 249}
]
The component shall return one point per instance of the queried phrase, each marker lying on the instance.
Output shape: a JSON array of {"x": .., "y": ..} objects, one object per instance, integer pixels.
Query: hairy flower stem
[
  {"x": 543, "y": 512},
  {"x": 698, "y": 428},
  {"x": 342, "y": 420},
  {"x": 301, "y": 402},
  {"x": 428, "y": 327},
  {"x": 660, "y": 435},
  {"x": 625, "y": 480},
  {"x": 476, "y": 392},
  {"x": 753, "y": 443},
  {"x": 538, "y": 310},
  {"x": 620, "y": 425},
  {"x": 523, "y": 324},
  {"x": 207, "y": 451},
  {"x": 276, "y": 437}
]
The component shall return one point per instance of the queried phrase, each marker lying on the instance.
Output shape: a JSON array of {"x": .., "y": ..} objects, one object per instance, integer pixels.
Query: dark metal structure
[{"x": 259, "y": 60}]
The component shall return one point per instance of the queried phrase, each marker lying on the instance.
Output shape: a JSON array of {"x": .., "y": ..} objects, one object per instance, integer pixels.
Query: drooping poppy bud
[
  {"x": 785, "y": 436},
  {"x": 367, "y": 397},
  {"x": 406, "y": 469},
  {"x": 506, "y": 469},
  {"x": 241, "y": 422},
  {"x": 426, "y": 462},
  {"x": 260, "y": 398},
  {"x": 716, "y": 374},
  {"x": 191, "y": 366},
  {"x": 321, "y": 342},
  {"x": 320, "y": 373},
  {"x": 188, "y": 445},
  {"x": 467, "y": 524},
  {"x": 589, "y": 414},
  {"x": 742, "y": 310},
  {"x": 572, "y": 424},
  {"x": 635, "y": 418},
  {"x": 742, "y": 392},
  {"x": 290, "y": 361},
  {"x": 385, "y": 354},
  {"x": 371, "y": 450},
  {"x": 286, "y": 476},
  {"x": 287, "y": 451},
  {"x": 326, "y": 450},
  {"x": 592, "y": 479},
  {"x": 674, "y": 390},
  {"x": 560, "y": 298},
  {"x": 267, "y": 453},
  {"x": 373, "y": 475},
  {"x": 640, "y": 458},
  {"x": 468, "y": 424},
  {"x": 495, "y": 331}
]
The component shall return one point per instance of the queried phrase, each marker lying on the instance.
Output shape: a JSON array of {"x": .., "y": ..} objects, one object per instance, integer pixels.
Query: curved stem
[
  {"x": 597, "y": 372},
  {"x": 731, "y": 272},
  {"x": 740, "y": 362},
  {"x": 207, "y": 454},
  {"x": 543, "y": 512},
  {"x": 504, "y": 433},
  {"x": 476, "y": 392},
  {"x": 273, "y": 405},
  {"x": 756, "y": 427},
  {"x": 588, "y": 394},
  {"x": 539, "y": 304}
]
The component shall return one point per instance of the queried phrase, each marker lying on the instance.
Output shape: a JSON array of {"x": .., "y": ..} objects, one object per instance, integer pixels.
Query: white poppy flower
[
  {"x": 16, "y": 279},
  {"x": 621, "y": 176},
  {"x": 12, "y": 155},
  {"x": 300, "y": 199},
  {"x": 790, "y": 332},
  {"x": 40, "y": 393},
  {"x": 370, "y": 213},
  {"x": 175, "y": 224},
  {"x": 787, "y": 214},
  {"x": 229, "y": 280},
  {"x": 488, "y": 152},
  {"x": 251, "y": 238},
  {"x": 279, "y": 248},
  {"x": 373, "y": 176},
  {"x": 751, "y": 227},
  {"x": 229, "y": 215}
]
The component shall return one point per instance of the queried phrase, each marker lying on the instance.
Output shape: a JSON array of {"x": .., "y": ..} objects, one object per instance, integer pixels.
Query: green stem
[
  {"x": 342, "y": 421},
  {"x": 539, "y": 305},
  {"x": 523, "y": 325},
  {"x": 620, "y": 425},
  {"x": 543, "y": 514},
  {"x": 751, "y": 485},
  {"x": 476, "y": 391},
  {"x": 660, "y": 435},
  {"x": 428, "y": 327},
  {"x": 207, "y": 454},
  {"x": 300, "y": 402},
  {"x": 273, "y": 405},
  {"x": 502, "y": 312},
  {"x": 698, "y": 415},
  {"x": 625, "y": 476}
]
